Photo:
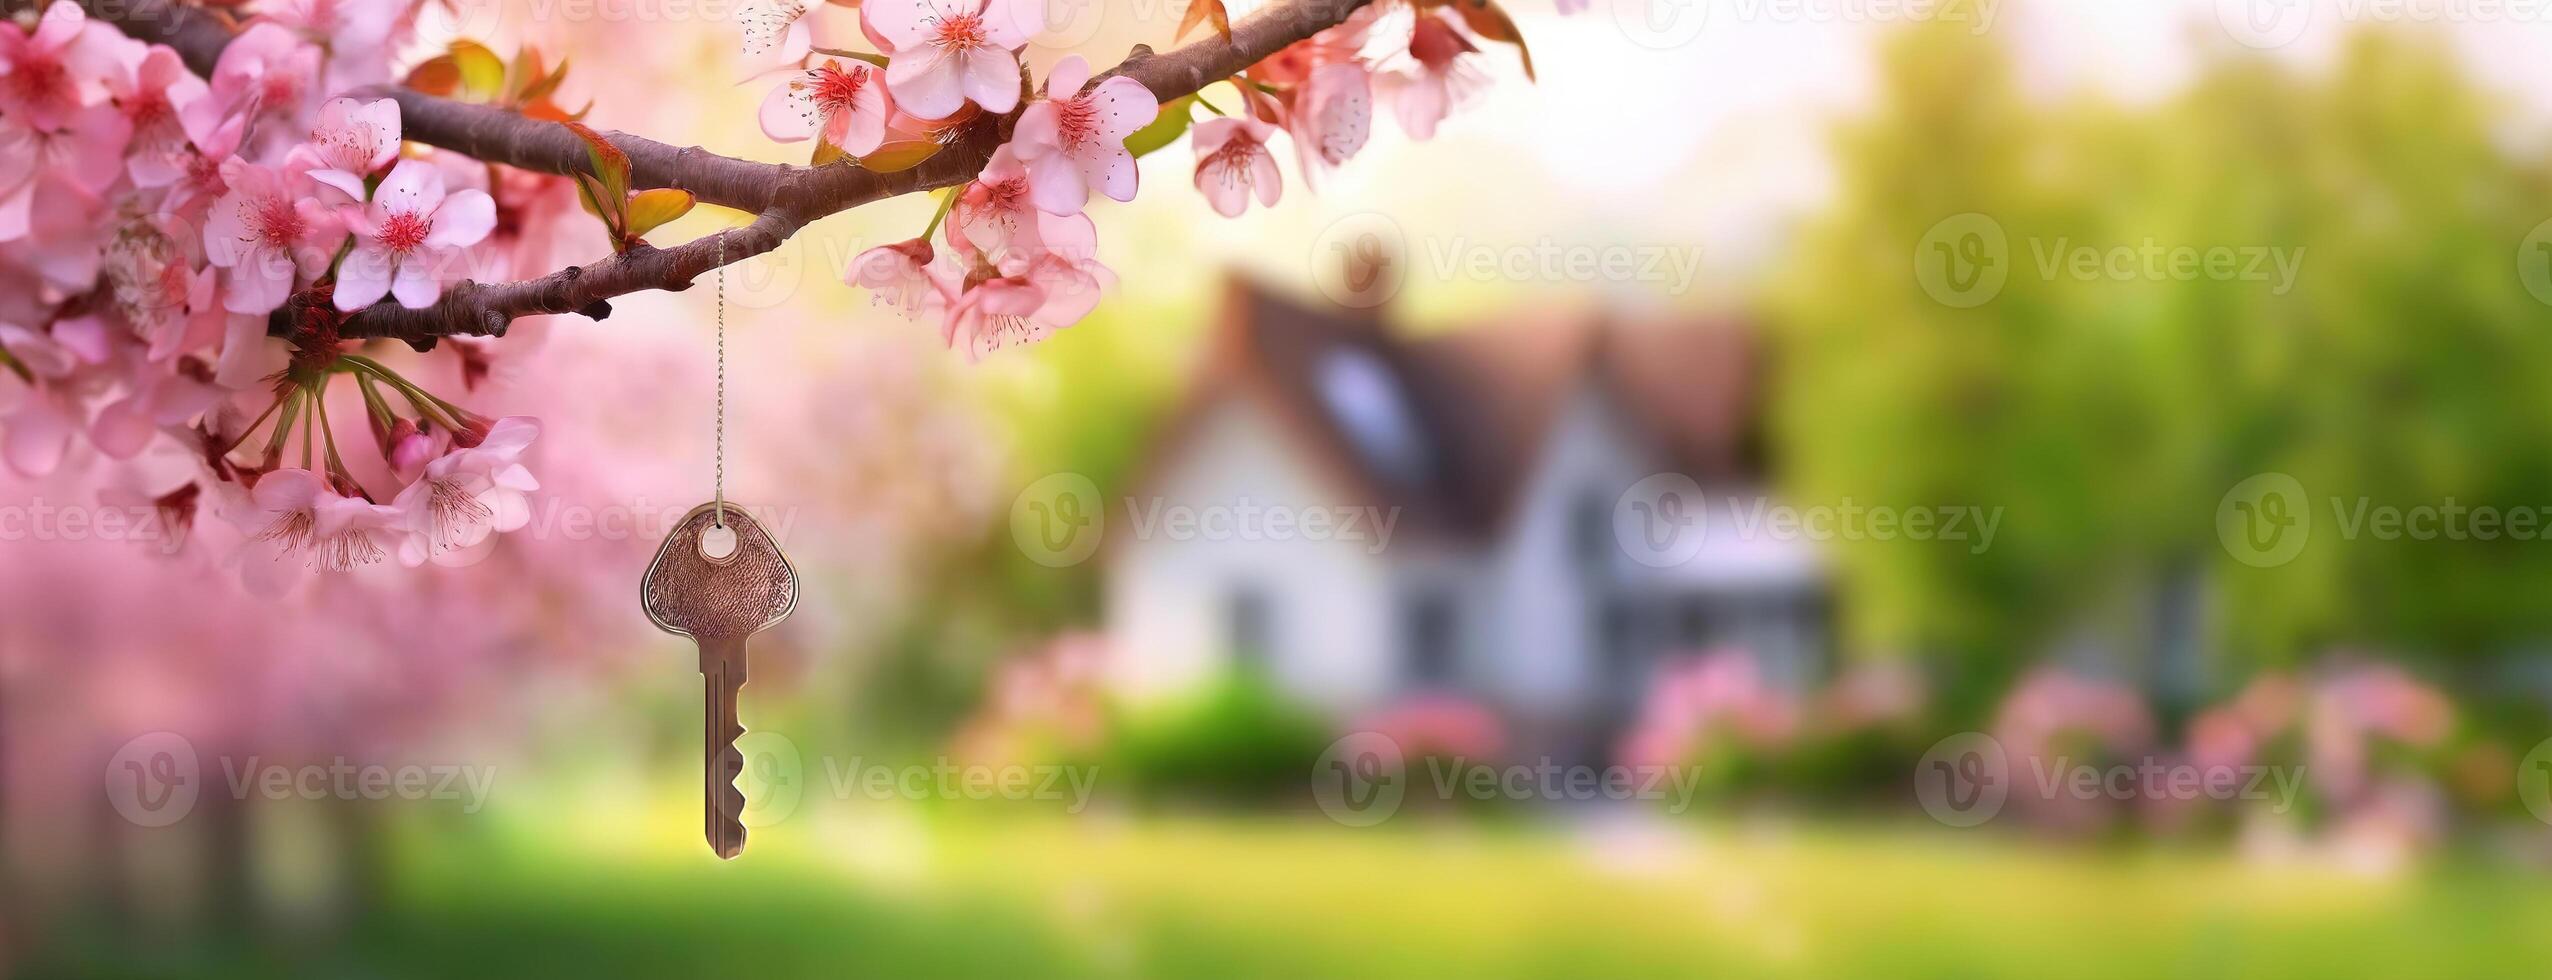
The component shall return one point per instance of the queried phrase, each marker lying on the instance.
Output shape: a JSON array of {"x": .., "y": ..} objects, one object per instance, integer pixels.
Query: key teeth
[{"x": 726, "y": 826}]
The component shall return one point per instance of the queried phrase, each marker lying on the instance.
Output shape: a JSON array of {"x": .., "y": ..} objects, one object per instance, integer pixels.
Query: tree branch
[{"x": 786, "y": 198}]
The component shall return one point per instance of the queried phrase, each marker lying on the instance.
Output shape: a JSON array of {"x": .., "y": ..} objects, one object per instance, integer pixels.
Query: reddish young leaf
[
  {"x": 649, "y": 210},
  {"x": 1205, "y": 11},
  {"x": 1490, "y": 23},
  {"x": 899, "y": 155}
]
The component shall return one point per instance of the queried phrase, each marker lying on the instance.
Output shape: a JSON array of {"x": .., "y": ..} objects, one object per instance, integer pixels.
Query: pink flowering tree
[{"x": 219, "y": 228}]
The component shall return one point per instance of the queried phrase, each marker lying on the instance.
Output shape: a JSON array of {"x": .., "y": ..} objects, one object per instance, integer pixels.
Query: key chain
[{"x": 718, "y": 579}]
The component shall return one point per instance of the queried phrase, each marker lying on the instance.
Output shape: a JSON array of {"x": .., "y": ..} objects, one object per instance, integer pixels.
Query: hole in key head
[{"x": 717, "y": 542}]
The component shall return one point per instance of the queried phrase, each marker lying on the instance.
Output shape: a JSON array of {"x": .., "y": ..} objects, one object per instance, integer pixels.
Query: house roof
[{"x": 1448, "y": 427}]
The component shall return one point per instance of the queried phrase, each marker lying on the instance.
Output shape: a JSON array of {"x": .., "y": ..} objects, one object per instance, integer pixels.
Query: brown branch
[{"x": 786, "y": 198}]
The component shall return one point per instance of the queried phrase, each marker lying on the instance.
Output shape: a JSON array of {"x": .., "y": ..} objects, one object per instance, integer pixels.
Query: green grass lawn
[{"x": 915, "y": 896}]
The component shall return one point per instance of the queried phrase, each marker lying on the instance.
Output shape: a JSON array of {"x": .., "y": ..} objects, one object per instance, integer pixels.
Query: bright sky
[{"x": 1666, "y": 124}]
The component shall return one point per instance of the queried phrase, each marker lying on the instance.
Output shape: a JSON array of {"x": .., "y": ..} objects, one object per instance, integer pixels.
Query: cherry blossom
[
  {"x": 469, "y": 492},
  {"x": 995, "y": 215},
  {"x": 847, "y": 106},
  {"x": 61, "y": 67},
  {"x": 1424, "y": 90},
  {"x": 265, "y": 230},
  {"x": 409, "y": 240},
  {"x": 167, "y": 396},
  {"x": 84, "y": 156},
  {"x": 900, "y": 274},
  {"x": 268, "y": 74},
  {"x": 1232, "y": 161},
  {"x": 1073, "y": 142},
  {"x": 947, "y": 52},
  {"x": 1332, "y": 116},
  {"x": 776, "y": 31},
  {"x": 995, "y": 314},
  {"x": 354, "y": 139},
  {"x": 297, "y": 512},
  {"x": 150, "y": 94},
  {"x": 355, "y": 33}
]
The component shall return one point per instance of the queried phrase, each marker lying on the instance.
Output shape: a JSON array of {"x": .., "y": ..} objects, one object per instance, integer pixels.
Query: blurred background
[{"x": 1818, "y": 489}]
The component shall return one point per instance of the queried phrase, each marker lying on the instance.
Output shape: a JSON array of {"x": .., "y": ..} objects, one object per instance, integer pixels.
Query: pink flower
[
  {"x": 408, "y": 240},
  {"x": 468, "y": 493},
  {"x": 159, "y": 397},
  {"x": 354, "y": 139},
  {"x": 949, "y": 51},
  {"x": 85, "y": 156},
  {"x": 847, "y": 106},
  {"x": 1422, "y": 93},
  {"x": 995, "y": 215},
  {"x": 267, "y": 73},
  {"x": 899, "y": 274},
  {"x": 265, "y": 230},
  {"x": 64, "y": 66},
  {"x": 298, "y": 512},
  {"x": 355, "y": 33},
  {"x": 995, "y": 314},
  {"x": 1232, "y": 160},
  {"x": 1073, "y": 142},
  {"x": 1332, "y": 116},
  {"x": 776, "y": 31},
  {"x": 157, "y": 288},
  {"x": 158, "y": 85}
]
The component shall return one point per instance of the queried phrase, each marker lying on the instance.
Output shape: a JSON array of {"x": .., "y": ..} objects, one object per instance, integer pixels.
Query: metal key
[{"x": 719, "y": 601}]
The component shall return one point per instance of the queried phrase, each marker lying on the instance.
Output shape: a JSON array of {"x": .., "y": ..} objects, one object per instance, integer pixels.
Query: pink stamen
[{"x": 403, "y": 232}]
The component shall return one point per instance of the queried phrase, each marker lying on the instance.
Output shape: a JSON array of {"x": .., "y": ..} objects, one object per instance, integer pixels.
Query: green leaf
[
  {"x": 1164, "y": 129},
  {"x": 482, "y": 72},
  {"x": 605, "y": 160},
  {"x": 650, "y": 209},
  {"x": 900, "y": 155}
]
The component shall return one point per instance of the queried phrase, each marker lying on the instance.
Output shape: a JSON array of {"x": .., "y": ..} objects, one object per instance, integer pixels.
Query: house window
[
  {"x": 1692, "y": 623},
  {"x": 1616, "y": 638},
  {"x": 1248, "y": 629},
  {"x": 1590, "y": 527},
  {"x": 1430, "y": 640}
]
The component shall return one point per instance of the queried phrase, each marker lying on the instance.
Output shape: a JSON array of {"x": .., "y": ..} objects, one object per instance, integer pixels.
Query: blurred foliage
[
  {"x": 1268, "y": 898},
  {"x": 1234, "y": 740},
  {"x": 2408, "y": 365}
]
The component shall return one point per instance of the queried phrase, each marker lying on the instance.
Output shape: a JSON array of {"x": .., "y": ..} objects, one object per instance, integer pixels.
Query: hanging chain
[{"x": 721, "y": 519}]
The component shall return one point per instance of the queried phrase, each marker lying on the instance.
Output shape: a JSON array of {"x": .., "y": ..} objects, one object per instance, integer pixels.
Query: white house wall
[{"x": 1330, "y": 601}]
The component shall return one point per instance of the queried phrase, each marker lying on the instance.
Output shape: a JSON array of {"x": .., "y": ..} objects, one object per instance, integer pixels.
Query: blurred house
[{"x": 1497, "y": 458}]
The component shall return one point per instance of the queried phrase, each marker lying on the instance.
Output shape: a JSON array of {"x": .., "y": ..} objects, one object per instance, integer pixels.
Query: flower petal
[
  {"x": 465, "y": 219},
  {"x": 926, "y": 81},
  {"x": 992, "y": 79}
]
